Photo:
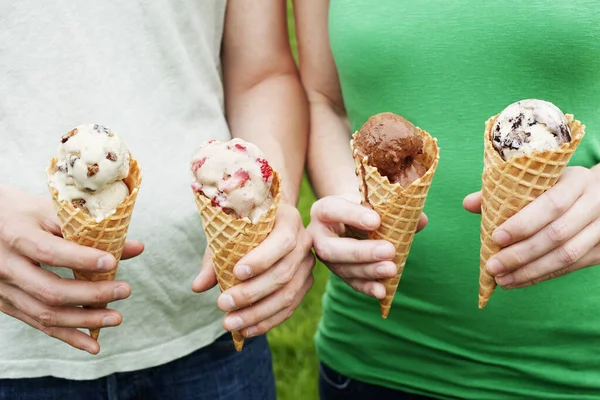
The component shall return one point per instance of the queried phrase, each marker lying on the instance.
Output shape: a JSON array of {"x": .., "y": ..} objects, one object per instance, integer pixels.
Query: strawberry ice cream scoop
[{"x": 235, "y": 176}]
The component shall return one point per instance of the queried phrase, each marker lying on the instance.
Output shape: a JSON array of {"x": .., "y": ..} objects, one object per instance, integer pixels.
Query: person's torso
[
  {"x": 150, "y": 70},
  {"x": 447, "y": 66}
]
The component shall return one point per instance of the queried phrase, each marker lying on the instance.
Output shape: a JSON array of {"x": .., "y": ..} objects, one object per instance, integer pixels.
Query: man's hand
[
  {"x": 276, "y": 275},
  {"x": 30, "y": 236},
  {"x": 557, "y": 233},
  {"x": 359, "y": 263}
]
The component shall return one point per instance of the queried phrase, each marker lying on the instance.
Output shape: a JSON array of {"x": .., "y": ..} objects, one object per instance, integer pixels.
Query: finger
[
  {"x": 346, "y": 250},
  {"x": 550, "y": 237},
  {"x": 207, "y": 278},
  {"x": 71, "y": 336},
  {"x": 50, "y": 289},
  {"x": 64, "y": 317},
  {"x": 45, "y": 248},
  {"x": 370, "y": 288},
  {"x": 423, "y": 220},
  {"x": 472, "y": 203},
  {"x": 377, "y": 270},
  {"x": 562, "y": 259},
  {"x": 282, "y": 240},
  {"x": 540, "y": 212},
  {"x": 255, "y": 289},
  {"x": 132, "y": 248},
  {"x": 592, "y": 258},
  {"x": 286, "y": 298},
  {"x": 267, "y": 324},
  {"x": 338, "y": 210}
]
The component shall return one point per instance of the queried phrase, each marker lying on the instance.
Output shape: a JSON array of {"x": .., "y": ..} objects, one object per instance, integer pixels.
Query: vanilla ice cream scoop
[
  {"x": 92, "y": 162},
  {"x": 235, "y": 176},
  {"x": 529, "y": 126}
]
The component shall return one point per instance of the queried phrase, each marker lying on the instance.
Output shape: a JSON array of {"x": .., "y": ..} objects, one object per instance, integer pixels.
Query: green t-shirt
[{"x": 447, "y": 66}]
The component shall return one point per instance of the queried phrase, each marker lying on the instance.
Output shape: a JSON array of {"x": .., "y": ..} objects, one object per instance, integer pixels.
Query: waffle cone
[
  {"x": 108, "y": 235},
  {"x": 399, "y": 208},
  {"x": 508, "y": 186},
  {"x": 230, "y": 239}
]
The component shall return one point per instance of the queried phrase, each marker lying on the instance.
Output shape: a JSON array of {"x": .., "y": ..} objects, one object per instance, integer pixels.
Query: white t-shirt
[{"x": 150, "y": 70}]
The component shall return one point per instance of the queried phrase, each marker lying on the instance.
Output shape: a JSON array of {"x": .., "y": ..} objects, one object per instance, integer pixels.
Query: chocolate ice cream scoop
[
  {"x": 391, "y": 142},
  {"x": 528, "y": 126}
]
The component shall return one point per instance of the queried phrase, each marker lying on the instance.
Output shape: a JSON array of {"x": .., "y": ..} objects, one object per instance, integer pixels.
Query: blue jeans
[
  {"x": 216, "y": 372},
  {"x": 335, "y": 386}
]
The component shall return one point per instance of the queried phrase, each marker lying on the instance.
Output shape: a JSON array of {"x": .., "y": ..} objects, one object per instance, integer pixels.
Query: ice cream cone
[
  {"x": 230, "y": 239},
  {"x": 108, "y": 235},
  {"x": 399, "y": 208},
  {"x": 508, "y": 186}
]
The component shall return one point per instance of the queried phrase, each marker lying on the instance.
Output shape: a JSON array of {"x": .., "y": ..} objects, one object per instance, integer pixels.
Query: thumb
[
  {"x": 472, "y": 203},
  {"x": 206, "y": 279}
]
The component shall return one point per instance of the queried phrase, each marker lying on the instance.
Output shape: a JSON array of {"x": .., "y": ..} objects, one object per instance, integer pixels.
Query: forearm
[
  {"x": 273, "y": 114},
  {"x": 596, "y": 170},
  {"x": 330, "y": 164}
]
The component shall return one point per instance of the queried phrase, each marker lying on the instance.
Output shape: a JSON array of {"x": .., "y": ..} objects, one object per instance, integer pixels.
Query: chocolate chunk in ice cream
[
  {"x": 391, "y": 142},
  {"x": 529, "y": 126}
]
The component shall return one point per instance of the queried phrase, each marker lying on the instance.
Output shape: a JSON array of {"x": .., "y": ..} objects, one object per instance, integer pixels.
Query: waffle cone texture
[
  {"x": 230, "y": 239},
  {"x": 508, "y": 186},
  {"x": 399, "y": 208},
  {"x": 107, "y": 235}
]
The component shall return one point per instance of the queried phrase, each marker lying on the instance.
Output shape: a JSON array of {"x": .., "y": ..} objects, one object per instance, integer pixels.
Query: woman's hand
[
  {"x": 275, "y": 277},
  {"x": 557, "y": 233},
  {"x": 337, "y": 224}
]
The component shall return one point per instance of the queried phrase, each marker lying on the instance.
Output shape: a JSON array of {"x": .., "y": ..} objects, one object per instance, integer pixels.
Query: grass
[{"x": 294, "y": 358}]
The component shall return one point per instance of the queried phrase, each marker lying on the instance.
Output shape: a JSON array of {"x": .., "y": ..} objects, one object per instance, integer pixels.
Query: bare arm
[
  {"x": 264, "y": 99},
  {"x": 330, "y": 164}
]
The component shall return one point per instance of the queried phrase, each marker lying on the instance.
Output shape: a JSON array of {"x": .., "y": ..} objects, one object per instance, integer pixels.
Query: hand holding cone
[{"x": 508, "y": 186}]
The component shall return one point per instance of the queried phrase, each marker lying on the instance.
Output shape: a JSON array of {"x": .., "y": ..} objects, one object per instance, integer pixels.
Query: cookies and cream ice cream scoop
[{"x": 529, "y": 126}]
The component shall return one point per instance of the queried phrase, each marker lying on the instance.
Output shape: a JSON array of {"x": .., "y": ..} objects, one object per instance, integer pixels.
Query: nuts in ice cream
[{"x": 92, "y": 162}]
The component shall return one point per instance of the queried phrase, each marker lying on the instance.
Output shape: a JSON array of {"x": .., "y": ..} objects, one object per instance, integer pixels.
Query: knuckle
[
  {"x": 283, "y": 275},
  {"x": 322, "y": 250},
  {"x": 44, "y": 253},
  {"x": 556, "y": 203},
  {"x": 50, "y": 296},
  {"x": 287, "y": 313},
  {"x": 557, "y": 231},
  {"x": 290, "y": 240},
  {"x": 358, "y": 254},
  {"x": 288, "y": 298},
  {"x": 568, "y": 255},
  {"x": 10, "y": 238},
  {"x": 47, "y": 318}
]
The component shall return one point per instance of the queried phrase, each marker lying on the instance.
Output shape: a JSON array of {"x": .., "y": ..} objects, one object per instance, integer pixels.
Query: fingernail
[
  {"x": 505, "y": 280},
  {"x": 383, "y": 270},
  {"x": 384, "y": 252},
  {"x": 378, "y": 292},
  {"x": 109, "y": 321},
  {"x": 502, "y": 238},
  {"x": 227, "y": 302},
  {"x": 243, "y": 271},
  {"x": 106, "y": 263},
  {"x": 89, "y": 351},
  {"x": 494, "y": 266},
  {"x": 120, "y": 293},
  {"x": 252, "y": 331},
  {"x": 368, "y": 220},
  {"x": 234, "y": 323}
]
